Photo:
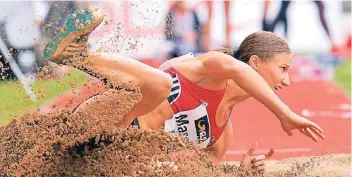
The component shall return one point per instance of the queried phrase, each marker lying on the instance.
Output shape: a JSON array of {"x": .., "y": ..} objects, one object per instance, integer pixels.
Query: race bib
[{"x": 193, "y": 124}]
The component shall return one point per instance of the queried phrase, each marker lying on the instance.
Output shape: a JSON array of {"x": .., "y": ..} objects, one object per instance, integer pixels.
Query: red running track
[{"x": 253, "y": 122}]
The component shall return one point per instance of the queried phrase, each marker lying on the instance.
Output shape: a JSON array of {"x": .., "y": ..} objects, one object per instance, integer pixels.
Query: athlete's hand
[
  {"x": 253, "y": 163},
  {"x": 305, "y": 126}
]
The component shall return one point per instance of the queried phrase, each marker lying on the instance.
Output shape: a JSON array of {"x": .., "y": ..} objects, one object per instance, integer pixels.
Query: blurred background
[{"x": 318, "y": 32}]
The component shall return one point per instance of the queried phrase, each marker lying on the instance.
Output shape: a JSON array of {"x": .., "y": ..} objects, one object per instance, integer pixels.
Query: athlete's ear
[{"x": 254, "y": 62}]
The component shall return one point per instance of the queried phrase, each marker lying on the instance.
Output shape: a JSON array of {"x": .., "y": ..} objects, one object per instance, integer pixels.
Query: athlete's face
[{"x": 275, "y": 70}]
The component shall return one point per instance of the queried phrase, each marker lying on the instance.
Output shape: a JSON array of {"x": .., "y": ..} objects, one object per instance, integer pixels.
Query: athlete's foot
[{"x": 70, "y": 43}]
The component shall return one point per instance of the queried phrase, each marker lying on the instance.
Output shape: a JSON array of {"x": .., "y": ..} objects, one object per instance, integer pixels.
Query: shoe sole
[{"x": 72, "y": 31}]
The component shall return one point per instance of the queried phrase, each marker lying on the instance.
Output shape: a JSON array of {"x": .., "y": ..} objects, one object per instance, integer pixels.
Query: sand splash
[{"x": 84, "y": 143}]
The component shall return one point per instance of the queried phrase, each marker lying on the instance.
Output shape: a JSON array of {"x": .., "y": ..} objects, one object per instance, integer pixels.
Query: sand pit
[
  {"x": 88, "y": 144},
  {"x": 328, "y": 165}
]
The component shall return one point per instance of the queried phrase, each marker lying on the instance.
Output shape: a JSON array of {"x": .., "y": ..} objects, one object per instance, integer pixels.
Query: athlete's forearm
[{"x": 251, "y": 82}]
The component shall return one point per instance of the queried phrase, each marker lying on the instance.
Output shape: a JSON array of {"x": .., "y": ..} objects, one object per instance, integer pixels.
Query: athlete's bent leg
[
  {"x": 129, "y": 73},
  {"x": 68, "y": 47}
]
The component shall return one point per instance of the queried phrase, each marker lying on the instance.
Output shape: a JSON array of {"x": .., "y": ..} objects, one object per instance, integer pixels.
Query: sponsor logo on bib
[{"x": 202, "y": 129}]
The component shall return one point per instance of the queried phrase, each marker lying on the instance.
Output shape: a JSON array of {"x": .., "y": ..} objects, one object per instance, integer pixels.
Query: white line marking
[
  {"x": 332, "y": 114},
  {"x": 262, "y": 151},
  {"x": 16, "y": 70}
]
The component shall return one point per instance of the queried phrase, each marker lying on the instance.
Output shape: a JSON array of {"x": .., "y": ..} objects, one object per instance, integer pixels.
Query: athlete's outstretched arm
[{"x": 221, "y": 66}]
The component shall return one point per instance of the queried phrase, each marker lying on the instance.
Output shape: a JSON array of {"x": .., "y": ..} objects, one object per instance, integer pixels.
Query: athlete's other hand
[
  {"x": 305, "y": 126},
  {"x": 252, "y": 163}
]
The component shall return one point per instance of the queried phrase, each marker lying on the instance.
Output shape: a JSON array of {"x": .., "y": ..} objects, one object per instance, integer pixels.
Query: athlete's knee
[
  {"x": 164, "y": 85},
  {"x": 156, "y": 85}
]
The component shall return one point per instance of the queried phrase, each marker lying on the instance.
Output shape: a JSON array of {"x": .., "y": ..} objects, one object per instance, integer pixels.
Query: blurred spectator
[
  {"x": 282, "y": 18},
  {"x": 183, "y": 29},
  {"x": 206, "y": 28},
  {"x": 321, "y": 10},
  {"x": 265, "y": 25}
]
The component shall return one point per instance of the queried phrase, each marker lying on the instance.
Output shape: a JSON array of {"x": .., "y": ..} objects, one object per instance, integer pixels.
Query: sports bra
[{"x": 194, "y": 110}]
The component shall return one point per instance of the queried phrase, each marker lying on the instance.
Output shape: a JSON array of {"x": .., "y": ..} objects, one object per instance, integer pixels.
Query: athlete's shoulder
[
  {"x": 215, "y": 56},
  {"x": 174, "y": 61}
]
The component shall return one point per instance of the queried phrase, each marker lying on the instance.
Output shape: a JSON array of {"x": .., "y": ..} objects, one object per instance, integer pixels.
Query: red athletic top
[{"x": 194, "y": 110}]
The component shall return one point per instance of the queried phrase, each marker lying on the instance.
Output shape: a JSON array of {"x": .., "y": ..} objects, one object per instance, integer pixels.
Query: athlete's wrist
[{"x": 284, "y": 113}]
